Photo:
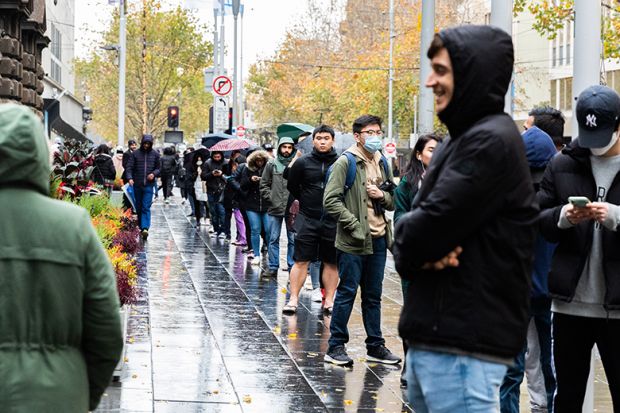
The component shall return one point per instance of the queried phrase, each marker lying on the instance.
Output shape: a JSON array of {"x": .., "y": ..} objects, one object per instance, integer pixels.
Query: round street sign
[
  {"x": 390, "y": 148},
  {"x": 222, "y": 85},
  {"x": 240, "y": 131}
]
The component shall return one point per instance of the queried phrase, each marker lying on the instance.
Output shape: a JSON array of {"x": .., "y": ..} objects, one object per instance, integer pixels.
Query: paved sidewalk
[{"x": 208, "y": 335}]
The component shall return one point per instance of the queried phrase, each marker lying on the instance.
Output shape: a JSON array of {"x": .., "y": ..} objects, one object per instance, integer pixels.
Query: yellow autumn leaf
[
  {"x": 247, "y": 399},
  {"x": 348, "y": 402},
  {"x": 292, "y": 336}
]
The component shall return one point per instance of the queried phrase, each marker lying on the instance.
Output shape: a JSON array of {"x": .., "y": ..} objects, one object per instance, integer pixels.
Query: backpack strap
[
  {"x": 351, "y": 171},
  {"x": 385, "y": 164}
]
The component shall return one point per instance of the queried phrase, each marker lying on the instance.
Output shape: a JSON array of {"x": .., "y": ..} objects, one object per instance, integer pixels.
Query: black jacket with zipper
[
  {"x": 104, "y": 169},
  {"x": 249, "y": 194},
  {"x": 570, "y": 174},
  {"x": 477, "y": 194},
  {"x": 306, "y": 181}
]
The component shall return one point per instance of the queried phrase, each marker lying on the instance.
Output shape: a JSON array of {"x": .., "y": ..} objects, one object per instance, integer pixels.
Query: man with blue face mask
[{"x": 362, "y": 238}]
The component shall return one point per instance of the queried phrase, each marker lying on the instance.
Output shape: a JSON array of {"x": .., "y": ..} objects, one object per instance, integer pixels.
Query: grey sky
[{"x": 265, "y": 24}]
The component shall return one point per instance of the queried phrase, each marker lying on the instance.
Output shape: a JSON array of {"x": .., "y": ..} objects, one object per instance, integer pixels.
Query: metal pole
[
  {"x": 222, "y": 36},
  {"x": 586, "y": 72},
  {"x": 121, "y": 73},
  {"x": 391, "y": 72},
  {"x": 145, "y": 127},
  {"x": 235, "y": 4},
  {"x": 501, "y": 16},
  {"x": 426, "y": 106},
  {"x": 587, "y": 56},
  {"x": 241, "y": 102},
  {"x": 215, "y": 43}
]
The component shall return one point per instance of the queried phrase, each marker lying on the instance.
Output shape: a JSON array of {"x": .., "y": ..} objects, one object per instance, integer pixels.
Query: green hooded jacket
[
  {"x": 273, "y": 184},
  {"x": 60, "y": 333}
]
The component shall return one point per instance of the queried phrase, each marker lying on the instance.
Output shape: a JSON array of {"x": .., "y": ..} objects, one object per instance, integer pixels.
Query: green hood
[
  {"x": 24, "y": 153},
  {"x": 280, "y": 161}
]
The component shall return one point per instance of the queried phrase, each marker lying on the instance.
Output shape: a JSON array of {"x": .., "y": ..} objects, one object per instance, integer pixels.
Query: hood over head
[
  {"x": 145, "y": 139},
  {"x": 254, "y": 156},
  {"x": 539, "y": 149},
  {"x": 24, "y": 151},
  {"x": 215, "y": 153},
  {"x": 280, "y": 161},
  {"x": 482, "y": 62}
]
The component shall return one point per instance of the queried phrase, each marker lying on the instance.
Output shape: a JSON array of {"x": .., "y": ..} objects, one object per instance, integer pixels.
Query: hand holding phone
[
  {"x": 579, "y": 210},
  {"x": 578, "y": 201}
]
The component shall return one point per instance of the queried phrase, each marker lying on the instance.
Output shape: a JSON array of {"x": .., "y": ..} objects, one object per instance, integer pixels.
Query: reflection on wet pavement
[{"x": 208, "y": 335}]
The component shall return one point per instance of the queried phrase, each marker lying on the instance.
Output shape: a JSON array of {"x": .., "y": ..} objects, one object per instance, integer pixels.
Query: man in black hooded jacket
[{"x": 467, "y": 245}]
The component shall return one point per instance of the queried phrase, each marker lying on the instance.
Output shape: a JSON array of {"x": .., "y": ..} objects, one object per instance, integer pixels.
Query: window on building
[
  {"x": 553, "y": 54},
  {"x": 56, "y": 72},
  {"x": 554, "y": 94},
  {"x": 568, "y": 54},
  {"x": 615, "y": 84},
  {"x": 561, "y": 56},
  {"x": 566, "y": 93},
  {"x": 56, "y": 47}
]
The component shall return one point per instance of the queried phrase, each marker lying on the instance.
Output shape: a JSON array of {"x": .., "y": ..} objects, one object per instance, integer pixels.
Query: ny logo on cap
[{"x": 591, "y": 120}]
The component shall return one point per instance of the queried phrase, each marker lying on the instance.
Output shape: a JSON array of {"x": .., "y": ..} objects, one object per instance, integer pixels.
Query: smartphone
[{"x": 578, "y": 201}]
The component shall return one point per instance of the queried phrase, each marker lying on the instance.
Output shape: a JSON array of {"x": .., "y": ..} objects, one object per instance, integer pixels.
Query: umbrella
[
  {"x": 213, "y": 138},
  {"x": 293, "y": 130},
  {"x": 231, "y": 145},
  {"x": 343, "y": 142}
]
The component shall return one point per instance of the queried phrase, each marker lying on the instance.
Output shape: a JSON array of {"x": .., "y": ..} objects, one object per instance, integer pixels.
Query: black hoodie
[
  {"x": 477, "y": 194},
  {"x": 306, "y": 181}
]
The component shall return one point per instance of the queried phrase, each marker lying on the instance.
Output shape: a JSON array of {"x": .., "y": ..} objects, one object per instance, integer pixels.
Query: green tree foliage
[
  {"x": 551, "y": 16},
  {"x": 176, "y": 54}
]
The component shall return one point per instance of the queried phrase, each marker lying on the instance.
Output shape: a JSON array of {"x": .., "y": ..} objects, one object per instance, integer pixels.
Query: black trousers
[
  {"x": 166, "y": 184},
  {"x": 573, "y": 339}
]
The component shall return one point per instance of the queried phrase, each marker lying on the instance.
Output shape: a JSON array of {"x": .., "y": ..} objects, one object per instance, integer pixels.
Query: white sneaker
[
  {"x": 166, "y": 202},
  {"x": 316, "y": 295},
  {"x": 183, "y": 202},
  {"x": 211, "y": 230},
  {"x": 256, "y": 261}
]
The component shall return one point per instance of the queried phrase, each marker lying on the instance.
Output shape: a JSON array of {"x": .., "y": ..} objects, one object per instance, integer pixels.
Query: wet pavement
[{"x": 208, "y": 335}]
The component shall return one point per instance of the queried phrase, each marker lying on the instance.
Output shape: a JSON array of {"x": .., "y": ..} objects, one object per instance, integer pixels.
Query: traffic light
[
  {"x": 230, "y": 122},
  {"x": 173, "y": 116}
]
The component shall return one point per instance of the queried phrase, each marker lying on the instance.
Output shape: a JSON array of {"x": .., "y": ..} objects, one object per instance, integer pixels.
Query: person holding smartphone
[
  {"x": 584, "y": 281},
  {"x": 216, "y": 183}
]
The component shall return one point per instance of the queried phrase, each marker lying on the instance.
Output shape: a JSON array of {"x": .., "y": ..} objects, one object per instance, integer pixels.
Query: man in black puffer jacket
[
  {"x": 468, "y": 244},
  {"x": 213, "y": 175},
  {"x": 168, "y": 169},
  {"x": 584, "y": 280},
  {"x": 142, "y": 170}
]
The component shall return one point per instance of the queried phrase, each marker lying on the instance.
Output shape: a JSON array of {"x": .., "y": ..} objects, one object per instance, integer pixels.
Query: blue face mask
[{"x": 373, "y": 144}]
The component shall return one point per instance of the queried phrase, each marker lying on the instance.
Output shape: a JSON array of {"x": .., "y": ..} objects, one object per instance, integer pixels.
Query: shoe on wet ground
[
  {"x": 338, "y": 356},
  {"x": 316, "y": 295},
  {"x": 255, "y": 261},
  {"x": 271, "y": 272},
  {"x": 381, "y": 354},
  {"x": 289, "y": 309},
  {"x": 144, "y": 233}
]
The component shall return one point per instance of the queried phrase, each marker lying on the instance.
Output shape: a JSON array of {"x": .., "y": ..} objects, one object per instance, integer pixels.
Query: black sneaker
[
  {"x": 145, "y": 233},
  {"x": 338, "y": 356},
  {"x": 271, "y": 272},
  {"x": 381, "y": 354}
]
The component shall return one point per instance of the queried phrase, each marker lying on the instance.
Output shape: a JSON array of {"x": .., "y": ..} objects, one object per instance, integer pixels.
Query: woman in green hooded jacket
[{"x": 60, "y": 333}]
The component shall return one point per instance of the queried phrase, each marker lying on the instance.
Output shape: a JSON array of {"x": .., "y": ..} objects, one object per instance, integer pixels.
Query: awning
[{"x": 51, "y": 109}]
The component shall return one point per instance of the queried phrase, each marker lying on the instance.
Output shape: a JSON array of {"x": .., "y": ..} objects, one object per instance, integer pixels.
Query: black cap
[
  {"x": 267, "y": 146},
  {"x": 131, "y": 142},
  {"x": 598, "y": 111}
]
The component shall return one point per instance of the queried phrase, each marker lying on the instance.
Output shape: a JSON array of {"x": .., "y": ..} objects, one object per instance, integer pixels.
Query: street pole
[
  {"x": 145, "y": 128},
  {"x": 391, "y": 72},
  {"x": 121, "y": 73},
  {"x": 426, "y": 106},
  {"x": 501, "y": 16},
  {"x": 222, "y": 36},
  {"x": 215, "y": 43},
  {"x": 586, "y": 72},
  {"x": 241, "y": 103},
  {"x": 235, "y": 5}
]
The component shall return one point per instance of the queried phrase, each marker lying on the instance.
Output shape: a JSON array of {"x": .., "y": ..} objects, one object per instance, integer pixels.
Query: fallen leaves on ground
[{"x": 247, "y": 399}]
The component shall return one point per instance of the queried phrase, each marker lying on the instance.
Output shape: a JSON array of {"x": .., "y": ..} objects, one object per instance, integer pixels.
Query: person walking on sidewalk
[
  {"x": 315, "y": 231},
  {"x": 142, "y": 171},
  {"x": 168, "y": 170},
  {"x": 60, "y": 329},
  {"x": 273, "y": 188},
  {"x": 104, "y": 171},
  {"x": 362, "y": 238},
  {"x": 468, "y": 243},
  {"x": 213, "y": 175},
  {"x": 585, "y": 271}
]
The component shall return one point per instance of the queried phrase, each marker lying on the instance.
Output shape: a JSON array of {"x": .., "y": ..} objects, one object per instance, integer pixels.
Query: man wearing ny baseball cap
[{"x": 584, "y": 281}]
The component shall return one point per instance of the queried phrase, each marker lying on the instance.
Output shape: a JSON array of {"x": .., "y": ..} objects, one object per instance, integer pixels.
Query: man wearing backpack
[{"x": 362, "y": 238}]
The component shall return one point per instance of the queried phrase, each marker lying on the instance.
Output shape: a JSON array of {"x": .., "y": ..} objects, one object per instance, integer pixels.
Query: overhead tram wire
[{"x": 337, "y": 67}]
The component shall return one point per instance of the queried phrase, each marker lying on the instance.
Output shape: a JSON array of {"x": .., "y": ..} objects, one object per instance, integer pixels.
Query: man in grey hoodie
[
  {"x": 273, "y": 188},
  {"x": 584, "y": 281}
]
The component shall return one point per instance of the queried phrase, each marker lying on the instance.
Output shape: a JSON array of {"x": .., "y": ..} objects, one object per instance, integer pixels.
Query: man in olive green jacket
[
  {"x": 362, "y": 238},
  {"x": 60, "y": 333}
]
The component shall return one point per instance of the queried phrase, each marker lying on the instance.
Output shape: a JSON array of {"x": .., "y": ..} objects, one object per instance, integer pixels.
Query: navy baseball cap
[{"x": 598, "y": 112}]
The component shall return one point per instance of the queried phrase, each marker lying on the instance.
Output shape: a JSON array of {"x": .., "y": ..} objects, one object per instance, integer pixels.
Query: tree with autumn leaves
[{"x": 176, "y": 54}]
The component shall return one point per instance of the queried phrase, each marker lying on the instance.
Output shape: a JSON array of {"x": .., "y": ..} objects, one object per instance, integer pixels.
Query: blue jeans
[
  {"x": 541, "y": 397},
  {"x": 315, "y": 274},
  {"x": 367, "y": 272},
  {"x": 144, "y": 199},
  {"x": 216, "y": 212},
  {"x": 449, "y": 383},
  {"x": 258, "y": 221},
  {"x": 275, "y": 224}
]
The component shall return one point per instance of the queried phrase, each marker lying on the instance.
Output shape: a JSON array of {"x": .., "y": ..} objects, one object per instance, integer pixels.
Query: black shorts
[{"x": 314, "y": 240}]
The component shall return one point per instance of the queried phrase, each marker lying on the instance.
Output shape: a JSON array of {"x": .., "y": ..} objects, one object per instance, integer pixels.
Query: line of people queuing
[{"x": 506, "y": 247}]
